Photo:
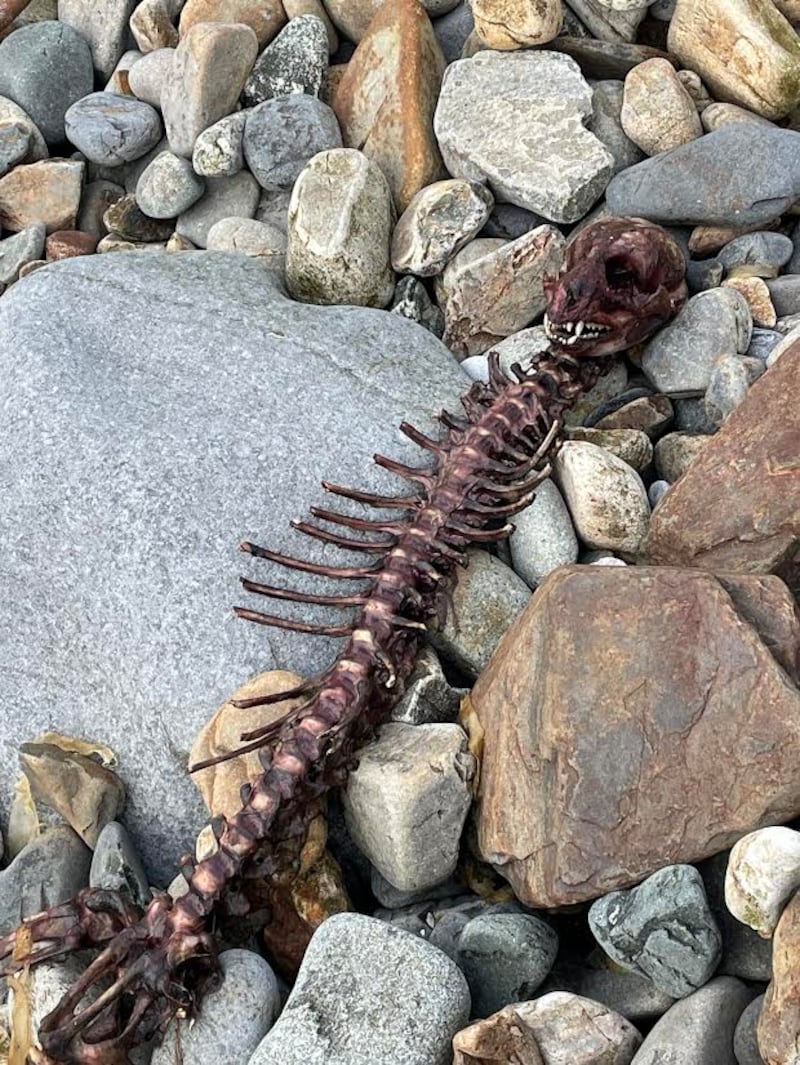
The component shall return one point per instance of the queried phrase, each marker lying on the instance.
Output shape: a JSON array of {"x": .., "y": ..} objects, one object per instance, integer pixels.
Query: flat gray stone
[
  {"x": 168, "y": 186},
  {"x": 515, "y": 120},
  {"x": 111, "y": 130},
  {"x": 13, "y": 115},
  {"x": 368, "y": 994},
  {"x": 743, "y": 174},
  {"x": 50, "y": 869},
  {"x": 160, "y": 410},
  {"x": 295, "y": 62},
  {"x": 104, "y": 24},
  {"x": 225, "y": 197},
  {"x": 282, "y": 135},
  {"x": 15, "y": 142},
  {"x": 19, "y": 249},
  {"x": 45, "y": 68}
]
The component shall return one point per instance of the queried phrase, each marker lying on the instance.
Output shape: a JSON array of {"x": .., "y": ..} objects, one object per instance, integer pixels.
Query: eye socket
[{"x": 620, "y": 273}]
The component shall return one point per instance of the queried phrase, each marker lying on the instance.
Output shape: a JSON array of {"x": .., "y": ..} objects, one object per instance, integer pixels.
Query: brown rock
[
  {"x": 631, "y": 445},
  {"x": 657, "y": 111},
  {"x": 264, "y": 17},
  {"x": 745, "y": 51},
  {"x": 151, "y": 26},
  {"x": 220, "y": 784},
  {"x": 779, "y": 1022},
  {"x": 705, "y": 240},
  {"x": 629, "y": 719},
  {"x": 387, "y": 96},
  {"x": 126, "y": 219},
  {"x": 651, "y": 414},
  {"x": 675, "y": 452},
  {"x": 86, "y": 794},
  {"x": 755, "y": 291},
  {"x": 511, "y": 24},
  {"x": 66, "y": 243},
  {"x": 738, "y": 505},
  {"x": 48, "y": 191}
]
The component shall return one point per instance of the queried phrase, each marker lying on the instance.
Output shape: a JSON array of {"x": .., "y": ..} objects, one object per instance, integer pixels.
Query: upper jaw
[{"x": 569, "y": 333}]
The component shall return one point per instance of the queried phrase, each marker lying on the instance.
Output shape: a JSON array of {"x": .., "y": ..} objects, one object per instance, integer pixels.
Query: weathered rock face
[
  {"x": 779, "y": 1023},
  {"x": 160, "y": 411},
  {"x": 738, "y": 505},
  {"x": 613, "y": 721}
]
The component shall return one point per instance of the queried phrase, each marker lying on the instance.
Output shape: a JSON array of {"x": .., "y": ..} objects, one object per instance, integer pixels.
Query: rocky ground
[{"x": 575, "y": 843}]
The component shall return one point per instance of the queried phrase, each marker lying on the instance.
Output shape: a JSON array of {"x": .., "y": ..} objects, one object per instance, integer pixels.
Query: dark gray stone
[
  {"x": 117, "y": 866},
  {"x": 508, "y": 222},
  {"x": 691, "y": 416},
  {"x": 453, "y": 29},
  {"x": 762, "y": 342},
  {"x": 225, "y": 197},
  {"x": 505, "y": 957},
  {"x": 606, "y": 126},
  {"x": 785, "y": 294},
  {"x": 45, "y": 68},
  {"x": 281, "y": 135},
  {"x": 50, "y": 869},
  {"x": 411, "y": 300},
  {"x": 393, "y": 899},
  {"x": 634, "y": 996},
  {"x": 745, "y": 1040},
  {"x": 699, "y": 1029},
  {"x": 662, "y": 929},
  {"x": 111, "y": 130},
  {"x": 428, "y": 698},
  {"x": 703, "y": 274},
  {"x": 368, "y": 994},
  {"x": 295, "y": 62},
  {"x": 15, "y": 142},
  {"x": 765, "y": 249},
  {"x": 745, "y": 173},
  {"x": 745, "y": 953},
  {"x": 159, "y": 410}
]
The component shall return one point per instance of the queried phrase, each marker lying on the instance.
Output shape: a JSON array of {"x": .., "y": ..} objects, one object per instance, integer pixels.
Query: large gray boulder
[{"x": 157, "y": 410}]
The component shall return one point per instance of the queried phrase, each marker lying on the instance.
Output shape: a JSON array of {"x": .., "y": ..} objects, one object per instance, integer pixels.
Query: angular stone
[
  {"x": 407, "y": 800},
  {"x": 111, "y": 130},
  {"x": 218, "y": 149},
  {"x": 15, "y": 142},
  {"x": 650, "y": 414},
  {"x": 13, "y": 115},
  {"x": 515, "y": 121},
  {"x": 746, "y": 53},
  {"x": 152, "y": 27},
  {"x": 44, "y": 68},
  {"x": 282, "y": 135},
  {"x": 264, "y": 17},
  {"x": 453, "y": 29},
  {"x": 438, "y": 222},
  {"x": 491, "y": 288},
  {"x": 763, "y": 874},
  {"x": 117, "y": 867},
  {"x": 428, "y": 698},
  {"x": 209, "y": 69},
  {"x": 48, "y": 191},
  {"x": 742, "y": 174},
  {"x": 658, "y": 113},
  {"x": 510, "y": 24},
  {"x": 125, "y": 219},
  {"x": 103, "y": 23},
  {"x": 411, "y": 300},
  {"x": 340, "y": 224},
  {"x": 52, "y": 868},
  {"x": 624, "y": 728},
  {"x": 675, "y": 452},
  {"x": 296, "y": 61},
  {"x": 18, "y": 250},
  {"x": 67, "y": 243},
  {"x": 386, "y": 99},
  {"x": 225, "y": 197},
  {"x": 738, "y": 505},
  {"x": 779, "y": 1022},
  {"x": 168, "y": 186},
  {"x": 345, "y": 1007}
]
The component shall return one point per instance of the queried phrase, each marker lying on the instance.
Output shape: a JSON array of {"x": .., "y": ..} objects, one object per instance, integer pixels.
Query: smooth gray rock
[
  {"x": 295, "y": 62},
  {"x": 117, "y": 866},
  {"x": 273, "y": 207},
  {"x": 234, "y": 1017},
  {"x": 703, "y": 274},
  {"x": 168, "y": 186},
  {"x": 45, "y": 68},
  {"x": 48, "y": 870},
  {"x": 629, "y": 993},
  {"x": 148, "y": 76},
  {"x": 728, "y": 383},
  {"x": 159, "y": 410},
  {"x": 12, "y": 114},
  {"x": 606, "y": 126},
  {"x": 544, "y": 536},
  {"x": 505, "y": 957},
  {"x": 745, "y": 1040},
  {"x": 453, "y": 29},
  {"x": 662, "y": 929},
  {"x": 392, "y": 898},
  {"x": 225, "y": 197},
  {"x": 785, "y": 294},
  {"x": 104, "y": 24},
  {"x": 368, "y": 994},
  {"x": 699, "y": 1029},
  {"x": 282, "y": 135},
  {"x": 15, "y": 141},
  {"x": 509, "y": 222},
  {"x": 762, "y": 342},
  {"x": 745, "y": 953},
  {"x": 764, "y": 249},
  {"x": 743, "y": 174},
  {"x": 19, "y": 249},
  {"x": 111, "y": 130}
]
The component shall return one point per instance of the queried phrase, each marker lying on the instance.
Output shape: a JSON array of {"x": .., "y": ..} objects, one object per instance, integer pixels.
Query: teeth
[
  {"x": 570, "y": 332},
  {"x": 579, "y": 328}
]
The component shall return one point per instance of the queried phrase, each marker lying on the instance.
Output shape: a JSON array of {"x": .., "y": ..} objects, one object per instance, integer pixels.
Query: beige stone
[
  {"x": 717, "y": 115},
  {"x": 264, "y": 17},
  {"x": 755, "y": 291},
  {"x": 642, "y": 706},
  {"x": 745, "y": 51},
  {"x": 221, "y": 784},
  {"x": 493, "y": 288},
  {"x": 631, "y": 445},
  {"x": 295, "y": 8},
  {"x": 738, "y": 505},
  {"x": 352, "y": 17},
  {"x": 509, "y": 24},
  {"x": 48, "y": 191},
  {"x": 675, "y": 452},
  {"x": 387, "y": 96},
  {"x": 790, "y": 9},
  {"x": 438, "y": 222},
  {"x": 705, "y": 240},
  {"x": 657, "y": 111},
  {"x": 779, "y": 1021},
  {"x": 152, "y": 27},
  {"x": 693, "y": 84}
]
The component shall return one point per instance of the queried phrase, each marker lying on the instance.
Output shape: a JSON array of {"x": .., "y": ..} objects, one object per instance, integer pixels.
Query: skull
[{"x": 622, "y": 278}]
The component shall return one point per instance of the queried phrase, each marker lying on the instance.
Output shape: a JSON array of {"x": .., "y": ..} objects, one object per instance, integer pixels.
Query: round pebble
[
  {"x": 543, "y": 537},
  {"x": 110, "y": 129},
  {"x": 282, "y": 135},
  {"x": 168, "y": 186},
  {"x": 763, "y": 873},
  {"x": 218, "y": 150}
]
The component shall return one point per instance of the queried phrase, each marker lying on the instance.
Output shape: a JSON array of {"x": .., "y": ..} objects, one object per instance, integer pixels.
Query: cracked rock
[{"x": 111, "y": 130}]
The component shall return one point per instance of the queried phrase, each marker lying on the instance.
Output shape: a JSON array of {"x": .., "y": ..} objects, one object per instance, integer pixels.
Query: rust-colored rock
[
  {"x": 738, "y": 505},
  {"x": 48, "y": 191},
  {"x": 630, "y": 718},
  {"x": 779, "y": 1022},
  {"x": 387, "y": 96},
  {"x": 67, "y": 243},
  {"x": 264, "y": 17}
]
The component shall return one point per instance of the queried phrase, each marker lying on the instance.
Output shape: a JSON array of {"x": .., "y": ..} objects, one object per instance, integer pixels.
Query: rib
[
  {"x": 343, "y": 572},
  {"x": 420, "y": 438},
  {"x": 289, "y": 623},
  {"x": 301, "y": 597},
  {"x": 354, "y": 522},
  {"x": 372, "y": 499},
  {"x": 420, "y": 476},
  {"x": 377, "y": 546}
]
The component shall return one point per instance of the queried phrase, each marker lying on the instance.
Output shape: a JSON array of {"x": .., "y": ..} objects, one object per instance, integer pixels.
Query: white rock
[
  {"x": 544, "y": 538},
  {"x": 440, "y": 219},
  {"x": 763, "y": 873},
  {"x": 218, "y": 150},
  {"x": 606, "y": 497}
]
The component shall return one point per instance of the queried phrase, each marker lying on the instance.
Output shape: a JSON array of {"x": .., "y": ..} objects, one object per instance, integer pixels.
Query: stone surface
[
  {"x": 763, "y": 873},
  {"x": 698, "y": 1029},
  {"x": 264, "y": 17},
  {"x": 249, "y": 237},
  {"x": 438, "y": 222},
  {"x": 125, "y": 219},
  {"x": 15, "y": 142},
  {"x": 48, "y": 191},
  {"x": 345, "y": 1008},
  {"x": 662, "y": 929},
  {"x": 168, "y": 186},
  {"x": 146, "y": 78},
  {"x": 296, "y": 8},
  {"x": 103, "y": 23},
  {"x": 427, "y": 698},
  {"x": 407, "y": 801},
  {"x": 607, "y": 101},
  {"x": 296, "y": 61},
  {"x": 746, "y": 53},
  {"x": 627, "y": 725},
  {"x": 745, "y": 954},
  {"x": 738, "y": 506},
  {"x": 411, "y": 300},
  {"x": 675, "y": 452},
  {"x": 492, "y": 288},
  {"x": 209, "y": 69},
  {"x": 152, "y": 27},
  {"x": 728, "y": 384},
  {"x": 511, "y": 24},
  {"x": 745, "y": 1038},
  {"x": 96, "y": 199},
  {"x": 225, "y": 197},
  {"x": 65, "y": 243},
  {"x": 118, "y": 84},
  {"x": 543, "y": 537},
  {"x": 234, "y": 1019},
  {"x": 759, "y": 249},
  {"x": 20, "y": 249},
  {"x": 218, "y": 150},
  {"x": 742, "y": 174},
  {"x": 657, "y": 112},
  {"x": 758, "y": 298},
  {"x": 621, "y": 990},
  {"x": 515, "y": 121},
  {"x": 631, "y": 445},
  {"x": 340, "y": 225},
  {"x": 50, "y": 869},
  {"x": 651, "y": 415},
  {"x": 387, "y": 96},
  {"x": 111, "y": 130},
  {"x": 13, "y": 115},
  {"x": 44, "y": 68},
  {"x": 353, "y": 17},
  {"x": 281, "y": 136},
  {"x": 605, "y": 496},
  {"x": 117, "y": 867},
  {"x": 779, "y": 1022},
  {"x": 180, "y": 463}
]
